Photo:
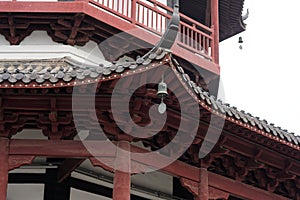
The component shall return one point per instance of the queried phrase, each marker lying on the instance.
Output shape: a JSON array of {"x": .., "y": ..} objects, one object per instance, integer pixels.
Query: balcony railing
[{"x": 153, "y": 16}]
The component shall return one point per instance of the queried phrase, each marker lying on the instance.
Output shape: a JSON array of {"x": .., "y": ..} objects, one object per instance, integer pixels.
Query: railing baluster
[
  {"x": 125, "y": 8},
  {"x": 195, "y": 39},
  {"x": 143, "y": 15},
  {"x": 153, "y": 15},
  {"x": 157, "y": 21},
  {"x": 152, "y": 20},
  {"x": 184, "y": 34},
  {"x": 118, "y": 6},
  {"x": 134, "y": 10},
  {"x": 161, "y": 24},
  {"x": 193, "y": 36},
  {"x": 128, "y": 8},
  {"x": 147, "y": 17},
  {"x": 207, "y": 45},
  {"x": 203, "y": 43},
  {"x": 120, "y": 10}
]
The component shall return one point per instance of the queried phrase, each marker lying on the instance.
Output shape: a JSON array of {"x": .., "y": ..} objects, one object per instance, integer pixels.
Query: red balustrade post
[
  {"x": 133, "y": 11},
  {"x": 215, "y": 28},
  {"x": 203, "y": 193},
  {"x": 122, "y": 176},
  {"x": 4, "y": 145}
]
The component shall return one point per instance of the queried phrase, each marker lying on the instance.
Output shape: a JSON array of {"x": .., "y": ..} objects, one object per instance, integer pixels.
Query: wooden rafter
[
  {"x": 77, "y": 21},
  {"x": 67, "y": 167}
]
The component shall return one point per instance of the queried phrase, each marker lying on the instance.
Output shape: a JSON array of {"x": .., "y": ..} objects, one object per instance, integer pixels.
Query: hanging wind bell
[
  {"x": 162, "y": 93},
  {"x": 241, "y": 42}
]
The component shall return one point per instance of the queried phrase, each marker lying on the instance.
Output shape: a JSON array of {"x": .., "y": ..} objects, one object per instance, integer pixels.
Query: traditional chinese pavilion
[{"x": 55, "y": 54}]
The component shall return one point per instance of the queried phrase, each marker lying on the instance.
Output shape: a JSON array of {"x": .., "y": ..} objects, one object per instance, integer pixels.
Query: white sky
[{"x": 264, "y": 78}]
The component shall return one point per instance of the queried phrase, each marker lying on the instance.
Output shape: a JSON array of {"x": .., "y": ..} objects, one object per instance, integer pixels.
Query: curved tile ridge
[
  {"x": 65, "y": 69},
  {"x": 239, "y": 117}
]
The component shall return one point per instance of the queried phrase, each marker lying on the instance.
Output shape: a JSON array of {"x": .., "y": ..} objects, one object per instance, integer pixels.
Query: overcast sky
[{"x": 263, "y": 78}]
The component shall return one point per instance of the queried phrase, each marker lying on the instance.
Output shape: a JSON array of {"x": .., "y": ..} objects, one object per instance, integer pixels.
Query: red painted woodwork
[
  {"x": 122, "y": 175},
  {"x": 203, "y": 193},
  {"x": 4, "y": 146},
  {"x": 215, "y": 27},
  {"x": 191, "y": 186},
  {"x": 67, "y": 167},
  {"x": 68, "y": 149},
  {"x": 272, "y": 167},
  {"x": 97, "y": 163},
  {"x": 195, "y": 39},
  {"x": 178, "y": 168},
  {"x": 60, "y": 148},
  {"x": 215, "y": 193},
  {"x": 220, "y": 187},
  {"x": 16, "y": 161},
  {"x": 240, "y": 189}
]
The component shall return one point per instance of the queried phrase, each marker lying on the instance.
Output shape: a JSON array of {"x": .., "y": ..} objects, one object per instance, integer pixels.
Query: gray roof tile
[
  {"x": 66, "y": 70},
  {"x": 231, "y": 111}
]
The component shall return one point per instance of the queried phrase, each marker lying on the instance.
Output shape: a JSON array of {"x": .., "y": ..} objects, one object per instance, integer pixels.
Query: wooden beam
[
  {"x": 180, "y": 169},
  {"x": 59, "y": 148},
  {"x": 76, "y": 149},
  {"x": 176, "y": 168},
  {"x": 240, "y": 189},
  {"x": 76, "y": 25},
  {"x": 4, "y": 146},
  {"x": 67, "y": 167},
  {"x": 11, "y": 26}
]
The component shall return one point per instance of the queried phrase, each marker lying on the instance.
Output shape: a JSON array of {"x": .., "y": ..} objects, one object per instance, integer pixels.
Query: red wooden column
[
  {"x": 122, "y": 182},
  {"x": 215, "y": 26},
  {"x": 203, "y": 192},
  {"x": 4, "y": 145}
]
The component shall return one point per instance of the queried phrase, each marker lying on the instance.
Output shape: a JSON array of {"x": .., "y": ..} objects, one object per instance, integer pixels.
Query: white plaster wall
[
  {"x": 40, "y": 46},
  {"x": 81, "y": 195},
  {"x": 25, "y": 192}
]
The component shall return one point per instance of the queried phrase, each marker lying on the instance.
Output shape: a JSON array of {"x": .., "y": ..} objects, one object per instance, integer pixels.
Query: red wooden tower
[{"x": 81, "y": 82}]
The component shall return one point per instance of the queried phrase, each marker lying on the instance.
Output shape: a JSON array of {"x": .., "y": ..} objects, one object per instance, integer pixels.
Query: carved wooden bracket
[
  {"x": 13, "y": 119},
  {"x": 215, "y": 193},
  {"x": 135, "y": 166},
  {"x": 191, "y": 186},
  {"x": 97, "y": 163},
  {"x": 16, "y": 161}
]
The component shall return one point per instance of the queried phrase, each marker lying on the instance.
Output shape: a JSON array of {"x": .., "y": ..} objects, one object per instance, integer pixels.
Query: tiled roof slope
[
  {"x": 230, "y": 18},
  {"x": 240, "y": 116},
  {"x": 65, "y": 70}
]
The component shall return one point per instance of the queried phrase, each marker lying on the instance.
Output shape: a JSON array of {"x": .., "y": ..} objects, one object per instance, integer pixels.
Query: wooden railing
[{"x": 153, "y": 16}]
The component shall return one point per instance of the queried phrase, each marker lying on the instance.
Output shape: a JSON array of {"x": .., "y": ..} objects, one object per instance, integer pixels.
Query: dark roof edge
[{"x": 244, "y": 119}]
